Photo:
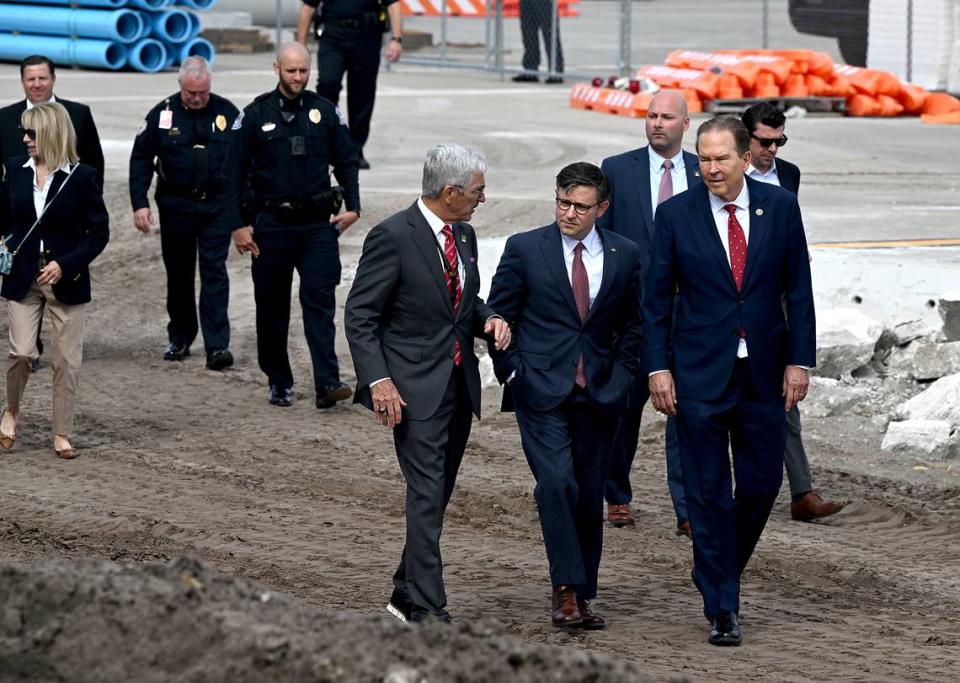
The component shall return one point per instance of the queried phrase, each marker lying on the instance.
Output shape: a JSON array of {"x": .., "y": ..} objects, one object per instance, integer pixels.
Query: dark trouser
[
  {"x": 313, "y": 251},
  {"x": 618, "y": 489},
  {"x": 355, "y": 51},
  {"x": 727, "y": 524},
  {"x": 429, "y": 452},
  {"x": 536, "y": 17},
  {"x": 568, "y": 450},
  {"x": 189, "y": 228},
  {"x": 795, "y": 457}
]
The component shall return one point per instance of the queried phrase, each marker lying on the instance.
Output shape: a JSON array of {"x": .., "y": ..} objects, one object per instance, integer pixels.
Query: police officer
[
  {"x": 185, "y": 139},
  {"x": 285, "y": 142},
  {"x": 350, "y": 37}
]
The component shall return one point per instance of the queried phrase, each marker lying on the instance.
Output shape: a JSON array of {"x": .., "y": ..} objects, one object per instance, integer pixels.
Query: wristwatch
[{"x": 398, "y": 39}]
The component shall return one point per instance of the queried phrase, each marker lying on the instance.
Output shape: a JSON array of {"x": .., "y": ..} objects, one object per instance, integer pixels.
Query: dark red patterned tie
[
  {"x": 738, "y": 249},
  {"x": 581, "y": 296},
  {"x": 450, "y": 251}
]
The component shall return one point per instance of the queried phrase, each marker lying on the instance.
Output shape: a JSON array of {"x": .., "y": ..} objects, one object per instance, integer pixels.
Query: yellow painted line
[{"x": 889, "y": 244}]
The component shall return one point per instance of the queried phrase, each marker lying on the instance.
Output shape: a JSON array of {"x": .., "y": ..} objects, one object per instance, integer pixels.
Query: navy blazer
[
  {"x": 788, "y": 174},
  {"x": 74, "y": 230},
  {"x": 630, "y": 213},
  {"x": 710, "y": 312},
  {"x": 532, "y": 291}
]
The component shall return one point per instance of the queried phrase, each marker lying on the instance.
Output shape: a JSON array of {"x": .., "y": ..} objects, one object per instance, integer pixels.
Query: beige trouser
[{"x": 67, "y": 351}]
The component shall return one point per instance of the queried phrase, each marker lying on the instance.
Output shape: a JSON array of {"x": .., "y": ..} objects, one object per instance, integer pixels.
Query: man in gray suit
[{"x": 411, "y": 318}]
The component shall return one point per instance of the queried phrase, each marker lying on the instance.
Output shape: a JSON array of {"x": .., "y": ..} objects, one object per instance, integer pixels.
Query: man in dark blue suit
[
  {"x": 723, "y": 359},
  {"x": 639, "y": 181},
  {"x": 571, "y": 293}
]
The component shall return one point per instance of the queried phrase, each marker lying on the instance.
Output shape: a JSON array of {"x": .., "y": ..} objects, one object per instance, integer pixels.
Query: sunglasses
[
  {"x": 29, "y": 132},
  {"x": 766, "y": 142}
]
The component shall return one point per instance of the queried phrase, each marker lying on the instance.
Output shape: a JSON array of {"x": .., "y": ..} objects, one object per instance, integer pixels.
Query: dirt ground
[{"x": 177, "y": 460}]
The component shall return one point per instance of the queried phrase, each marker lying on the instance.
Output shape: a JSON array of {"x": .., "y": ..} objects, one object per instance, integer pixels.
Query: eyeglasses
[
  {"x": 29, "y": 132},
  {"x": 475, "y": 191},
  {"x": 766, "y": 142},
  {"x": 581, "y": 209}
]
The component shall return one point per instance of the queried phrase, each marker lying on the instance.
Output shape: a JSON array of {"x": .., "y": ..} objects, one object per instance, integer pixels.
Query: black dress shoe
[
  {"x": 363, "y": 164},
  {"x": 400, "y": 607},
  {"x": 331, "y": 393},
  {"x": 554, "y": 79},
  {"x": 526, "y": 78},
  {"x": 725, "y": 630},
  {"x": 34, "y": 364},
  {"x": 176, "y": 351},
  {"x": 281, "y": 396},
  {"x": 219, "y": 359}
]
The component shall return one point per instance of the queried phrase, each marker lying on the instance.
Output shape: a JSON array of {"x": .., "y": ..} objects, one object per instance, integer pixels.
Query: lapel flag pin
[
  {"x": 759, "y": 212},
  {"x": 463, "y": 238},
  {"x": 613, "y": 248},
  {"x": 696, "y": 173}
]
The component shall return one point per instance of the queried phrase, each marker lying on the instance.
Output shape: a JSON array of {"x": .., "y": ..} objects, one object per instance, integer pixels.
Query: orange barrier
[
  {"x": 610, "y": 100},
  {"x": 793, "y": 74},
  {"x": 472, "y": 8},
  {"x": 703, "y": 82},
  {"x": 942, "y": 119}
]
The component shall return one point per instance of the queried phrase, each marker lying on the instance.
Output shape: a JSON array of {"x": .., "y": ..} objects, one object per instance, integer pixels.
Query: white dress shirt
[
  {"x": 31, "y": 105},
  {"x": 436, "y": 224},
  {"x": 769, "y": 176},
  {"x": 592, "y": 256},
  {"x": 40, "y": 194},
  {"x": 722, "y": 218},
  {"x": 678, "y": 175}
]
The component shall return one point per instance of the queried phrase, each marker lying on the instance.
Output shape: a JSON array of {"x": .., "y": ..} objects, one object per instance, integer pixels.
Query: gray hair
[
  {"x": 196, "y": 67},
  {"x": 450, "y": 164}
]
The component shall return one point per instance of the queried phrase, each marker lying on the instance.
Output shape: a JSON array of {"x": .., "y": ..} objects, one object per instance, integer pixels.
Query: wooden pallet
[{"x": 814, "y": 105}]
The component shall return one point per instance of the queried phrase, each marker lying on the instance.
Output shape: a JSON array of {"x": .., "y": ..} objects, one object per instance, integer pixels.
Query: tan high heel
[
  {"x": 68, "y": 453},
  {"x": 7, "y": 440}
]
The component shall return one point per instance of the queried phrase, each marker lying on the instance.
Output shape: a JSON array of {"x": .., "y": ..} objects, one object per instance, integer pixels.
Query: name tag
[{"x": 166, "y": 119}]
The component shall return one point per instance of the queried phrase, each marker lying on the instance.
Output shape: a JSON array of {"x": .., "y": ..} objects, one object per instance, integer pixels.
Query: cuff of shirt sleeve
[
  {"x": 802, "y": 367},
  {"x": 377, "y": 381},
  {"x": 657, "y": 372}
]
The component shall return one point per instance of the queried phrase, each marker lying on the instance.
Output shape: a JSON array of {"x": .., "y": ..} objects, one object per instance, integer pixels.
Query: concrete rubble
[
  {"x": 846, "y": 340},
  {"x": 949, "y": 309}
]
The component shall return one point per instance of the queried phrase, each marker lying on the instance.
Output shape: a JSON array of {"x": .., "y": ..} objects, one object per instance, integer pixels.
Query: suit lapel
[
  {"x": 552, "y": 247},
  {"x": 759, "y": 228},
  {"x": 610, "y": 262},
  {"x": 55, "y": 181},
  {"x": 426, "y": 243},
  {"x": 692, "y": 165},
  {"x": 641, "y": 170},
  {"x": 705, "y": 213}
]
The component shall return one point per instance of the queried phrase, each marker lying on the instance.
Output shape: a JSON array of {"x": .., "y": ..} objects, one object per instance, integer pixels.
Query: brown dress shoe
[
  {"x": 591, "y": 620},
  {"x": 685, "y": 529},
  {"x": 566, "y": 614},
  {"x": 620, "y": 515},
  {"x": 812, "y": 506}
]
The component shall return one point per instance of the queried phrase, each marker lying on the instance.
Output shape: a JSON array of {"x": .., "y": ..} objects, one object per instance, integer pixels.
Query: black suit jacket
[
  {"x": 74, "y": 229},
  {"x": 88, "y": 139},
  {"x": 788, "y": 174},
  {"x": 630, "y": 213},
  {"x": 532, "y": 291},
  {"x": 399, "y": 319}
]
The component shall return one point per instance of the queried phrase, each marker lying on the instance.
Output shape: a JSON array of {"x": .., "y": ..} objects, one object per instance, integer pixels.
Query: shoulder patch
[
  {"x": 343, "y": 120},
  {"x": 238, "y": 122}
]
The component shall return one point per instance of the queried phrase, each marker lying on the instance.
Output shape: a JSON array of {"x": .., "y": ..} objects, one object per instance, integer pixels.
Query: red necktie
[
  {"x": 450, "y": 252},
  {"x": 666, "y": 183},
  {"x": 581, "y": 296},
  {"x": 738, "y": 249}
]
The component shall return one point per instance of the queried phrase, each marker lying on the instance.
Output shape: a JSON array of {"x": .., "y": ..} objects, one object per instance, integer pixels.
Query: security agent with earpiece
[
  {"x": 349, "y": 40},
  {"x": 184, "y": 141},
  {"x": 283, "y": 145}
]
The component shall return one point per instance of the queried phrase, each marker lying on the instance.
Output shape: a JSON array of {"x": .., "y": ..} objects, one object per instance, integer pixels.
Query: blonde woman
[{"x": 51, "y": 261}]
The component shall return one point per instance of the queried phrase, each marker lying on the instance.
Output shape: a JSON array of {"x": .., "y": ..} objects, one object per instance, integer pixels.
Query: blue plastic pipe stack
[{"x": 144, "y": 35}]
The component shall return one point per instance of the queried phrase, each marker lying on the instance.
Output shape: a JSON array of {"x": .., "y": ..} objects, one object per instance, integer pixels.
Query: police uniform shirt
[
  {"x": 348, "y": 9},
  {"x": 290, "y": 145},
  {"x": 169, "y": 138}
]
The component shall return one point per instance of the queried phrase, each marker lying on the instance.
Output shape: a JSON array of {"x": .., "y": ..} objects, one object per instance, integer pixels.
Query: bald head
[
  {"x": 667, "y": 120},
  {"x": 292, "y": 67}
]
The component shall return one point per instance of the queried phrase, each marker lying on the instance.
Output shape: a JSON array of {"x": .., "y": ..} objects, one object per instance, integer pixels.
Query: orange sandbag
[
  {"x": 694, "y": 103},
  {"x": 889, "y": 106},
  {"x": 862, "y": 105},
  {"x": 869, "y": 81},
  {"x": 839, "y": 86},
  {"x": 766, "y": 87},
  {"x": 778, "y": 67},
  {"x": 948, "y": 119},
  {"x": 795, "y": 86},
  {"x": 745, "y": 71},
  {"x": 821, "y": 65},
  {"x": 816, "y": 86},
  {"x": 728, "y": 88},
  {"x": 912, "y": 98},
  {"x": 938, "y": 103},
  {"x": 703, "y": 82},
  {"x": 801, "y": 59}
]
